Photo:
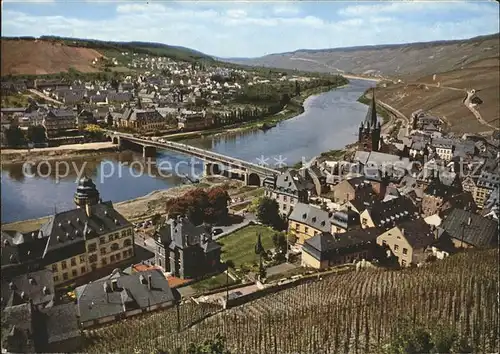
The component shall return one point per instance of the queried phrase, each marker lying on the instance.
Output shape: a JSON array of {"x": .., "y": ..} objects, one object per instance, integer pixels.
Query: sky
[{"x": 252, "y": 28}]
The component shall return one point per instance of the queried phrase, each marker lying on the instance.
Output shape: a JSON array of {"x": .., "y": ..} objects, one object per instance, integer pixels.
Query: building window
[
  {"x": 118, "y": 256},
  {"x": 82, "y": 259},
  {"x": 92, "y": 247},
  {"x": 73, "y": 261},
  {"x": 129, "y": 232},
  {"x": 284, "y": 206},
  {"x": 112, "y": 258},
  {"x": 115, "y": 246},
  {"x": 65, "y": 276},
  {"x": 56, "y": 278},
  {"x": 82, "y": 270},
  {"x": 306, "y": 229},
  {"x": 104, "y": 261},
  {"x": 54, "y": 267},
  {"x": 63, "y": 265},
  {"x": 127, "y": 242},
  {"x": 284, "y": 198},
  {"x": 297, "y": 227},
  {"x": 102, "y": 240},
  {"x": 124, "y": 233},
  {"x": 396, "y": 248},
  {"x": 365, "y": 221},
  {"x": 93, "y": 258},
  {"x": 384, "y": 242},
  {"x": 74, "y": 273},
  {"x": 405, "y": 251},
  {"x": 403, "y": 263},
  {"x": 103, "y": 250}
]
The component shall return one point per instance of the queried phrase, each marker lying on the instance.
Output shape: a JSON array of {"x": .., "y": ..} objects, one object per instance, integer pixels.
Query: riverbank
[
  {"x": 18, "y": 156},
  {"x": 144, "y": 207},
  {"x": 291, "y": 110}
]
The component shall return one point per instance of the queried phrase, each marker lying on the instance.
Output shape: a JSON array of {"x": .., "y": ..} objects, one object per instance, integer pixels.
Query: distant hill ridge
[{"x": 384, "y": 60}]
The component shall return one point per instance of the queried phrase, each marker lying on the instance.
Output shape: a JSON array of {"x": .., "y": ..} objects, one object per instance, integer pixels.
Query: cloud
[
  {"x": 409, "y": 7},
  {"x": 31, "y": 2},
  {"x": 242, "y": 29},
  {"x": 286, "y": 10}
]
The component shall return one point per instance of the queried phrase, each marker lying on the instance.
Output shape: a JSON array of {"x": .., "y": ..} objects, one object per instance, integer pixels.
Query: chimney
[
  {"x": 88, "y": 210},
  {"x": 114, "y": 284},
  {"x": 149, "y": 281},
  {"x": 469, "y": 220}
]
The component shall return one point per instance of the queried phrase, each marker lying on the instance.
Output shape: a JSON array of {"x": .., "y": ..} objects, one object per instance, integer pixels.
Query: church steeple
[{"x": 371, "y": 116}]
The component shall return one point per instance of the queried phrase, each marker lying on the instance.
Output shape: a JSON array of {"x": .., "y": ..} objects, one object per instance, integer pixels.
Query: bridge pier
[
  {"x": 211, "y": 169},
  {"x": 148, "y": 151}
]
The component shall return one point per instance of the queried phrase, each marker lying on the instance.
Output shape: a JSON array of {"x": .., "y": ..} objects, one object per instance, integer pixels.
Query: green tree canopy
[{"x": 268, "y": 213}]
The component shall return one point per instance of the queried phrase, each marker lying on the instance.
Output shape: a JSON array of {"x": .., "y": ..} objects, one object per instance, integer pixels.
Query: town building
[
  {"x": 36, "y": 288},
  {"x": 488, "y": 180},
  {"x": 288, "y": 189},
  {"x": 74, "y": 243},
  {"x": 142, "y": 120},
  {"x": 386, "y": 215},
  {"x": 326, "y": 250},
  {"x": 369, "y": 130},
  {"x": 186, "y": 250},
  {"x": 469, "y": 230},
  {"x": 349, "y": 189},
  {"x": 439, "y": 197},
  {"x": 306, "y": 221},
  {"x": 122, "y": 295},
  {"x": 59, "y": 120},
  {"x": 408, "y": 241},
  {"x": 189, "y": 120},
  {"x": 344, "y": 220}
]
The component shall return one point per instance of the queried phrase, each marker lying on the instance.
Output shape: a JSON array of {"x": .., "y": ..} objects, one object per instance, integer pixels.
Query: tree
[
  {"x": 218, "y": 199},
  {"x": 200, "y": 205},
  {"x": 280, "y": 245},
  {"x": 210, "y": 346},
  {"x": 36, "y": 134},
  {"x": 297, "y": 88},
  {"x": 14, "y": 136},
  {"x": 268, "y": 213}
]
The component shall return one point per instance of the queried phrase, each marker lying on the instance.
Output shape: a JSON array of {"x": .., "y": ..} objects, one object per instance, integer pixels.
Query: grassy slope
[
  {"x": 56, "y": 54},
  {"x": 240, "y": 245}
]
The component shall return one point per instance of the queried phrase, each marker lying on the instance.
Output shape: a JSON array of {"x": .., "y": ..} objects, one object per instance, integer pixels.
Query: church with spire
[{"x": 369, "y": 130}]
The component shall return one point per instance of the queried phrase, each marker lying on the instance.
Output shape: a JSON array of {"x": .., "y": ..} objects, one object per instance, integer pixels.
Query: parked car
[{"x": 217, "y": 231}]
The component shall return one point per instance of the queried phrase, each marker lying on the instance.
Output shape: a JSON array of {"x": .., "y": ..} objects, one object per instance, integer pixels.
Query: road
[
  {"x": 403, "y": 131},
  {"x": 69, "y": 147},
  {"x": 248, "y": 218},
  {"x": 244, "y": 290},
  {"x": 44, "y": 96},
  {"x": 338, "y": 71}
]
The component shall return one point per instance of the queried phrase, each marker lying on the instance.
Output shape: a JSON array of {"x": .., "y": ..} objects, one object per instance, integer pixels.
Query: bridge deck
[{"x": 194, "y": 151}]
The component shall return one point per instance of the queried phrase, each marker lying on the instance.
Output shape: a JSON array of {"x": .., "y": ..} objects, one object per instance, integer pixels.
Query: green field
[
  {"x": 214, "y": 282},
  {"x": 239, "y": 246}
]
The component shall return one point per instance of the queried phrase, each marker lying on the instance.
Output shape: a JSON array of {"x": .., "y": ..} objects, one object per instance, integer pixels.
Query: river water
[{"x": 330, "y": 121}]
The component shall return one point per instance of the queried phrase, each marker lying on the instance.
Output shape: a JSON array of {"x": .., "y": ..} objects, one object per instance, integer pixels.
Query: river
[{"x": 330, "y": 121}]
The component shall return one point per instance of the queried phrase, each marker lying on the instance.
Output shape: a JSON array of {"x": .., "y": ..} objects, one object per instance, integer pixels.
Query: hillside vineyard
[{"x": 354, "y": 312}]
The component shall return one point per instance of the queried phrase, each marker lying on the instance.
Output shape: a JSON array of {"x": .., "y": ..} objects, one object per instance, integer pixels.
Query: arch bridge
[{"x": 214, "y": 163}]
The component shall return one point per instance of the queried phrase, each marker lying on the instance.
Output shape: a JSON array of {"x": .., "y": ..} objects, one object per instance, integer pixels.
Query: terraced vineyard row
[{"x": 355, "y": 312}]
